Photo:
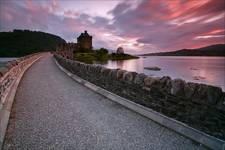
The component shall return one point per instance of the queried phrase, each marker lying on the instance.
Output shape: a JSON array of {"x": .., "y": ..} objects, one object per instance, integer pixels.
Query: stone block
[
  {"x": 189, "y": 89},
  {"x": 128, "y": 76},
  {"x": 105, "y": 72},
  {"x": 120, "y": 74},
  {"x": 102, "y": 69},
  {"x": 84, "y": 67},
  {"x": 92, "y": 69},
  {"x": 165, "y": 83},
  {"x": 152, "y": 82},
  {"x": 139, "y": 79},
  {"x": 97, "y": 68},
  {"x": 178, "y": 87},
  {"x": 214, "y": 94},
  {"x": 148, "y": 81},
  {"x": 88, "y": 67},
  {"x": 113, "y": 73},
  {"x": 201, "y": 91}
]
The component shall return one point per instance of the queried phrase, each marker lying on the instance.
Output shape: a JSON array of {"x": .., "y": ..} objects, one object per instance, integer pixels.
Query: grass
[
  {"x": 102, "y": 57},
  {"x": 115, "y": 56}
]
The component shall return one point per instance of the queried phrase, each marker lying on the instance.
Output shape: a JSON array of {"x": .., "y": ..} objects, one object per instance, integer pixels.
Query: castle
[
  {"x": 84, "y": 44},
  {"x": 84, "y": 41}
]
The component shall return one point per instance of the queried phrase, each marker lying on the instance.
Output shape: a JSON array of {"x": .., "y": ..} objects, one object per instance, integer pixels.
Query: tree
[
  {"x": 103, "y": 51},
  {"x": 23, "y": 42}
]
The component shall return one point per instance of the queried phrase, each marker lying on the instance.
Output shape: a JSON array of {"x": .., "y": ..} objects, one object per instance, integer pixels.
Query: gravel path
[{"x": 51, "y": 111}]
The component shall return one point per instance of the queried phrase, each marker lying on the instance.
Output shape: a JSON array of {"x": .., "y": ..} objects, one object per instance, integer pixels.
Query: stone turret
[
  {"x": 84, "y": 44},
  {"x": 120, "y": 50}
]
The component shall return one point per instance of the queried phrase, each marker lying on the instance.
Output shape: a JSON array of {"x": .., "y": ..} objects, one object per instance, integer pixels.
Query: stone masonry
[
  {"x": 197, "y": 105},
  {"x": 10, "y": 72},
  {"x": 84, "y": 41},
  {"x": 84, "y": 44}
]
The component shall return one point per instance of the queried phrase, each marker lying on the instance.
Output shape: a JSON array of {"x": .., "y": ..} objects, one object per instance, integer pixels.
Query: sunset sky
[{"x": 140, "y": 26}]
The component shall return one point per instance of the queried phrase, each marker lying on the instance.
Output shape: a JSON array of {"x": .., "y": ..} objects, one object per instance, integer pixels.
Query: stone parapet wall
[
  {"x": 10, "y": 72},
  {"x": 197, "y": 105}
]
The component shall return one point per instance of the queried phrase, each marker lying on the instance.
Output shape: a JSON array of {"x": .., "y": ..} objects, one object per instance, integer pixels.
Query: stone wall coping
[
  {"x": 10, "y": 64},
  {"x": 198, "y": 136}
]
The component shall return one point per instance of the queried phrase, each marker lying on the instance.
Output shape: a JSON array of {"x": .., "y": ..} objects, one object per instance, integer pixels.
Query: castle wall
[
  {"x": 67, "y": 50},
  {"x": 85, "y": 42}
]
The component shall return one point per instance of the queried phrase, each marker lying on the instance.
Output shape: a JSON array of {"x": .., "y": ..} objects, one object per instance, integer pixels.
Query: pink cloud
[
  {"x": 148, "y": 27},
  {"x": 70, "y": 13}
]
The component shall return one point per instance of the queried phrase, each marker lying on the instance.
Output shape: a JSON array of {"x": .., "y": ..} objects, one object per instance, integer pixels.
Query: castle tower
[{"x": 84, "y": 41}]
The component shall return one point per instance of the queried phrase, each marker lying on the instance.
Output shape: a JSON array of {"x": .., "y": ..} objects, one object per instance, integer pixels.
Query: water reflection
[
  {"x": 4, "y": 60},
  {"x": 208, "y": 70}
]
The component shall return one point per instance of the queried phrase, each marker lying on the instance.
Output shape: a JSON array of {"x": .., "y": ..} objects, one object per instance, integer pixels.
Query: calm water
[
  {"x": 208, "y": 70},
  {"x": 4, "y": 60}
]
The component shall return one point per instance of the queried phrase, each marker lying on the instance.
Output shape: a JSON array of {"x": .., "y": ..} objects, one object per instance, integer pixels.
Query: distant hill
[
  {"x": 213, "y": 50},
  {"x": 22, "y": 42}
]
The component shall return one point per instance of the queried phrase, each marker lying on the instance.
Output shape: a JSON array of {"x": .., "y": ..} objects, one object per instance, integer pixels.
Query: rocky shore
[{"x": 197, "y": 105}]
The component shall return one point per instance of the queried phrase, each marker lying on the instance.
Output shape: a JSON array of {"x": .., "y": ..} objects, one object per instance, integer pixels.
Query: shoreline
[
  {"x": 197, "y": 105},
  {"x": 177, "y": 56},
  {"x": 197, "y": 71}
]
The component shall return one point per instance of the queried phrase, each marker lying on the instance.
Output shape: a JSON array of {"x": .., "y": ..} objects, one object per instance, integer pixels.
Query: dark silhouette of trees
[{"x": 23, "y": 42}]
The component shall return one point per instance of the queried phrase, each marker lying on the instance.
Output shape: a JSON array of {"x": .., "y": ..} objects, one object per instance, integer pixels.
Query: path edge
[
  {"x": 200, "y": 137},
  {"x": 6, "y": 109}
]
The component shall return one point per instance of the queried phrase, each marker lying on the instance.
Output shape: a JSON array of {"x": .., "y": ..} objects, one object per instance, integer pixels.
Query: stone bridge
[{"x": 48, "y": 109}]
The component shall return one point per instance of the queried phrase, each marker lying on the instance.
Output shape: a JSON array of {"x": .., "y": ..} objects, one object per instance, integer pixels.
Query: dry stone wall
[
  {"x": 10, "y": 72},
  {"x": 198, "y": 105}
]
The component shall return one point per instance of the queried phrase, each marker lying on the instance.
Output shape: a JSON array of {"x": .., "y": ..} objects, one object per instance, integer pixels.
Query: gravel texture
[{"x": 51, "y": 111}]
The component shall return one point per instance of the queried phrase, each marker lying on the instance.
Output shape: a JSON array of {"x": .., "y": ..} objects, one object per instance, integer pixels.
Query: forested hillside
[
  {"x": 212, "y": 50},
  {"x": 22, "y": 42}
]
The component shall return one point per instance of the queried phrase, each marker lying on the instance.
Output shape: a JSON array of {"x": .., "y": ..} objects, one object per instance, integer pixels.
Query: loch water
[
  {"x": 207, "y": 70},
  {"x": 4, "y": 60}
]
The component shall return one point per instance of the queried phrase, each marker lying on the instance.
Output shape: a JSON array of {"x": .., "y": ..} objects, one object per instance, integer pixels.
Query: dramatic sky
[{"x": 140, "y": 26}]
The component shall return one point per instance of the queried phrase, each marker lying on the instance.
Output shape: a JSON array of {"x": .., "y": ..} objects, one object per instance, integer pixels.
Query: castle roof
[{"x": 85, "y": 34}]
